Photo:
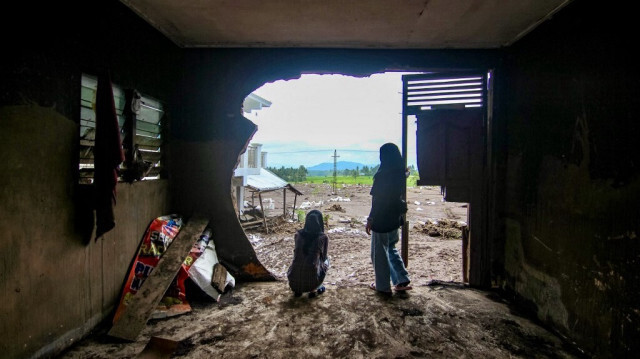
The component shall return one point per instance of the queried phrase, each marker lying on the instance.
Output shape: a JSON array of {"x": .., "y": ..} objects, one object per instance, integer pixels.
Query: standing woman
[
  {"x": 310, "y": 262},
  {"x": 384, "y": 220}
]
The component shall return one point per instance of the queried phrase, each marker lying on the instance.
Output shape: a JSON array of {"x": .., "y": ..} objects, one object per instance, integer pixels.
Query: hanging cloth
[{"x": 107, "y": 156}]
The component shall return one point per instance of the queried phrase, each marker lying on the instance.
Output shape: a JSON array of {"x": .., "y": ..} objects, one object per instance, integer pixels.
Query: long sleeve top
[
  {"x": 386, "y": 192},
  {"x": 307, "y": 271}
]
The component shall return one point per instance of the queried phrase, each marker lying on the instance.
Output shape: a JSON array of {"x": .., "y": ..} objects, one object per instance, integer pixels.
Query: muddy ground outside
[
  {"x": 440, "y": 318},
  {"x": 435, "y": 247}
]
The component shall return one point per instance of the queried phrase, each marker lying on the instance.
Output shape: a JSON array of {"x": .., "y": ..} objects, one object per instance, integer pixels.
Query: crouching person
[{"x": 310, "y": 262}]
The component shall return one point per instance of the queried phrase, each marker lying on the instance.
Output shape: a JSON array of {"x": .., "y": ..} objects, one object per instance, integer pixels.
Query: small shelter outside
[{"x": 264, "y": 182}]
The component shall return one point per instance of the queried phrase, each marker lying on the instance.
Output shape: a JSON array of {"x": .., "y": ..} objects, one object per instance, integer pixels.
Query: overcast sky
[{"x": 311, "y": 116}]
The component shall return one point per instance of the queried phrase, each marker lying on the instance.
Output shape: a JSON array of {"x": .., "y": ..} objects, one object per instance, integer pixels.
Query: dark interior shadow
[{"x": 84, "y": 212}]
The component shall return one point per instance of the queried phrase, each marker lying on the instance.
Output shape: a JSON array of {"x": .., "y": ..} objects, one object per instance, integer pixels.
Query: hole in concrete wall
[{"x": 307, "y": 128}]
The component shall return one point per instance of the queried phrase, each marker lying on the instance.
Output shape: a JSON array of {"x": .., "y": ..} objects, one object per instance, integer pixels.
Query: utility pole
[
  {"x": 335, "y": 171},
  {"x": 404, "y": 244}
]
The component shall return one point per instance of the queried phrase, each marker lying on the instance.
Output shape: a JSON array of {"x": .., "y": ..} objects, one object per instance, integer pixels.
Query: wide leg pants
[{"x": 387, "y": 263}]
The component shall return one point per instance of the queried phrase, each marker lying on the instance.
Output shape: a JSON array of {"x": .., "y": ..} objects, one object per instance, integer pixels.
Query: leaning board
[{"x": 144, "y": 302}]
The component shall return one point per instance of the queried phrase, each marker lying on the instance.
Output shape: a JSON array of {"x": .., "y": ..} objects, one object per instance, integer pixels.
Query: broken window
[{"x": 146, "y": 145}]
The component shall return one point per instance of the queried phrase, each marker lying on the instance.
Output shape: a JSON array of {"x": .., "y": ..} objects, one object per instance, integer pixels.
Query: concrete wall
[
  {"x": 567, "y": 132},
  {"x": 56, "y": 282}
]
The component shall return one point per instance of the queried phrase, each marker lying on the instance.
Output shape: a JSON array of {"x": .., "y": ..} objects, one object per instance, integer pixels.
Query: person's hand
[{"x": 368, "y": 227}]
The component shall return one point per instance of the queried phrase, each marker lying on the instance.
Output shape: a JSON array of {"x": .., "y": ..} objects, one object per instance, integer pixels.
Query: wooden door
[
  {"x": 450, "y": 110},
  {"x": 450, "y": 151}
]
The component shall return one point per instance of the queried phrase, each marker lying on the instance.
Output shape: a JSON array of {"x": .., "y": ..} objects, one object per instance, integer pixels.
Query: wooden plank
[
  {"x": 284, "y": 202},
  {"x": 252, "y": 223},
  {"x": 144, "y": 302},
  {"x": 465, "y": 254},
  {"x": 404, "y": 246},
  {"x": 293, "y": 211},
  {"x": 219, "y": 277},
  {"x": 264, "y": 213}
]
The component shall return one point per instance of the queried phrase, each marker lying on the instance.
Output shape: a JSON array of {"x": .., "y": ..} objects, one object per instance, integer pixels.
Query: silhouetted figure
[
  {"x": 310, "y": 262},
  {"x": 387, "y": 209}
]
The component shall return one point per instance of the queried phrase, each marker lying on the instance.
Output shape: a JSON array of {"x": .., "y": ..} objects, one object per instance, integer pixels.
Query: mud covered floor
[
  {"x": 263, "y": 320},
  {"x": 439, "y": 318}
]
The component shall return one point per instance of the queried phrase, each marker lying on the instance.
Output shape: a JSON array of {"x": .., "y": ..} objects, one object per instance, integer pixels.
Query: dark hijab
[
  {"x": 313, "y": 226},
  {"x": 390, "y": 159},
  {"x": 390, "y": 175}
]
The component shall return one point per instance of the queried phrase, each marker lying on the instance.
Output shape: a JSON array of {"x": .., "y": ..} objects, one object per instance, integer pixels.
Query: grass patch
[{"x": 350, "y": 180}]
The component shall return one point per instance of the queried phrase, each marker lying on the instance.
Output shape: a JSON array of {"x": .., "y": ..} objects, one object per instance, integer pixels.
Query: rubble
[
  {"x": 336, "y": 208},
  {"x": 445, "y": 228}
]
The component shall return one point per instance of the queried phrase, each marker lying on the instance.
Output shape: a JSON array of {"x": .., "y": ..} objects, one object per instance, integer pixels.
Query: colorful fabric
[{"x": 156, "y": 240}]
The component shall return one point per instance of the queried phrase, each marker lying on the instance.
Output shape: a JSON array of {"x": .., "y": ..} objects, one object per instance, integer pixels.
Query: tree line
[
  {"x": 364, "y": 171},
  {"x": 290, "y": 174}
]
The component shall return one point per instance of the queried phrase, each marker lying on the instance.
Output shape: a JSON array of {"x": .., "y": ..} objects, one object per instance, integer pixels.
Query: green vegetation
[
  {"x": 364, "y": 180},
  {"x": 359, "y": 176},
  {"x": 325, "y": 218},
  {"x": 364, "y": 171},
  {"x": 300, "y": 214},
  {"x": 412, "y": 181},
  {"x": 290, "y": 174},
  {"x": 350, "y": 180}
]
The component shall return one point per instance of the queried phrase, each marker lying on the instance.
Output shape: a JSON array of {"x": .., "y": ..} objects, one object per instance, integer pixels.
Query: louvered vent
[
  {"x": 426, "y": 92},
  {"x": 148, "y": 129}
]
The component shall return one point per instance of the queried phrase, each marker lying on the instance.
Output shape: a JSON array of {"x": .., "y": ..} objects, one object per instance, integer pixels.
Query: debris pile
[
  {"x": 164, "y": 267},
  {"x": 445, "y": 228}
]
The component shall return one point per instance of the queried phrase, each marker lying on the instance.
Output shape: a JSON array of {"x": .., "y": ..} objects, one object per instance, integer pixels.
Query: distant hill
[{"x": 340, "y": 165}]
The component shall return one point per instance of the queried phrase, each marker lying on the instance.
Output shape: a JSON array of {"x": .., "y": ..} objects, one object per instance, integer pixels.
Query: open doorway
[{"x": 321, "y": 135}]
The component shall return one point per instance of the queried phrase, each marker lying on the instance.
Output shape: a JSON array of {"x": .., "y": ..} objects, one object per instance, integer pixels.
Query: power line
[
  {"x": 287, "y": 152},
  {"x": 335, "y": 170}
]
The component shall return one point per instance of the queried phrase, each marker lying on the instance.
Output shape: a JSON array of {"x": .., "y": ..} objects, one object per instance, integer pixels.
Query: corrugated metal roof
[{"x": 268, "y": 181}]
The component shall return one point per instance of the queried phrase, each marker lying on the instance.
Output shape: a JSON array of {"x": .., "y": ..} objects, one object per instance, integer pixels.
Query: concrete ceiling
[{"x": 392, "y": 24}]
